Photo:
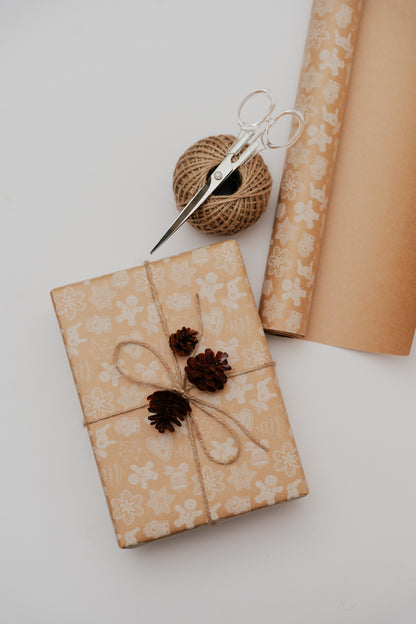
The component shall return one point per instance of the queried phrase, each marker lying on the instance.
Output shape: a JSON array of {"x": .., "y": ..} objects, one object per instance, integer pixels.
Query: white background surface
[{"x": 98, "y": 101}]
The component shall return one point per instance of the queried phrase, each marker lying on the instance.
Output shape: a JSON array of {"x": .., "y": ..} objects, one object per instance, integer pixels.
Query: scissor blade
[{"x": 199, "y": 197}]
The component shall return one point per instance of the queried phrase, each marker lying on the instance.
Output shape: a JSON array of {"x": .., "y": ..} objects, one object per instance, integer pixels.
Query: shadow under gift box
[{"x": 151, "y": 480}]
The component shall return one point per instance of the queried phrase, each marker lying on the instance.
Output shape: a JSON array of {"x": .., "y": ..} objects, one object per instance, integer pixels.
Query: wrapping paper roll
[{"x": 309, "y": 168}]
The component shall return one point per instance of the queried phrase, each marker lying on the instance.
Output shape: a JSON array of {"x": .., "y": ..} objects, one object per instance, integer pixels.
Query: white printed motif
[
  {"x": 319, "y": 137},
  {"x": 293, "y": 291},
  {"x": 127, "y": 425},
  {"x": 268, "y": 490},
  {"x": 233, "y": 294},
  {"x": 291, "y": 185},
  {"x": 279, "y": 262},
  {"x": 156, "y": 529},
  {"x": 230, "y": 346},
  {"x": 130, "y": 538},
  {"x": 142, "y": 474},
  {"x": 98, "y": 403},
  {"x": 178, "y": 478},
  {"x": 263, "y": 395},
  {"x": 102, "y": 297},
  {"x": 298, "y": 154},
  {"x": 142, "y": 283},
  {"x": 331, "y": 61},
  {"x": 227, "y": 258},
  {"x": 306, "y": 271},
  {"x": 128, "y": 310},
  {"x": 179, "y": 302},
  {"x": 241, "y": 476},
  {"x": 287, "y": 459},
  {"x": 305, "y": 212},
  {"x": 160, "y": 500},
  {"x": 127, "y": 507},
  {"x": 102, "y": 441},
  {"x": 120, "y": 279},
  {"x": 237, "y": 388},
  {"x": 306, "y": 244},
  {"x": 69, "y": 302},
  {"x": 98, "y": 325},
  {"x": 181, "y": 273},
  {"x": 292, "y": 489},
  {"x": 319, "y": 167},
  {"x": 273, "y": 309},
  {"x": 73, "y": 339},
  {"x": 238, "y": 504},
  {"x": 293, "y": 321},
  {"x": 286, "y": 231},
  {"x": 213, "y": 482},
  {"x": 110, "y": 373},
  {"x": 311, "y": 79},
  {"x": 317, "y": 33},
  {"x": 305, "y": 104},
  {"x": 223, "y": 451},
  {"x": 208, "y": 287},
  {"x": 331, "y": 91},
  {"x": 152, "y": 324},
  {"x": 187, "y": 514},
  {"x": 344, "y": 16},
  {"x": 259, "y": 457}
]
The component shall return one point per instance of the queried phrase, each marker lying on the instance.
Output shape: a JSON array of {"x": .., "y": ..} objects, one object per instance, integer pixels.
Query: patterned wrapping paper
[
  {"x": 150, "y": 479},
  {"x": 307, "y": 177}
]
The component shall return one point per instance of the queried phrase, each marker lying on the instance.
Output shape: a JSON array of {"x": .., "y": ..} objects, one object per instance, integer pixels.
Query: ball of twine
[{"x": 238, "y": 202}]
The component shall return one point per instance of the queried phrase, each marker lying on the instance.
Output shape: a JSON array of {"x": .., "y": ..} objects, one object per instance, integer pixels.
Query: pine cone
[
  {"x": 170, "y": 408},
  {"x": 183, "y": 341},
  {"x": 206, "y": 370}
]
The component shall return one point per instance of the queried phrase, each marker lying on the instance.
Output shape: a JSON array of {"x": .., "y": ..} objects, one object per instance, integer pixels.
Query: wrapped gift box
[{"x": 116, "y": 331}]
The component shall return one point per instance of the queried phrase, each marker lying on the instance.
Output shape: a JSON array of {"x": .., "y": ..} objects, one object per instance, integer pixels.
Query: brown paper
[
  {"x": 307, "y": 177},
  {"x": 365, "y": 295},
  {"x": 365, "y": 290},
  {"x": 150, "y": 479}
]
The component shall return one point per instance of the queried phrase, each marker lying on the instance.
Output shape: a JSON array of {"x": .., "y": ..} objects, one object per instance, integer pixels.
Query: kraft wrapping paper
[
  {"x": 149, "y": 479},
  {"x": 307, "y": 177},
  {"x": 365, "y": 290}
]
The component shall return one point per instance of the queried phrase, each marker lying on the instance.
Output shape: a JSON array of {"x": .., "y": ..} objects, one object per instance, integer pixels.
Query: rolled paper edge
[{"x": 301, "y": 208}]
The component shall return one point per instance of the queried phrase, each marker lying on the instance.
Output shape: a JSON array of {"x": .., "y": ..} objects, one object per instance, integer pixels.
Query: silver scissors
[{"x": 254, "y": 136}]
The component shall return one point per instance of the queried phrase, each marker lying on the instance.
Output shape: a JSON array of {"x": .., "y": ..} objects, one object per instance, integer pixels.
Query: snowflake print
[
  {"x": 298, "y": 154},
  {"x": 156, "y": 529},
  {"x": 268, "y": 490},
  {"x": 227, "y": 258},
  {"x": 142, "y": 474},
  {"x": 241, "y": 477},
  {"x": 286, "y": 459},
  {"x": 286, "y": 231},
  {"x": 319, "y": 137},
  {"x": 305, "y": 212},
  {"x": 273, "y": 309},
  {"x": 278, "y": 262},
  {"x": 293, "y": 291},
  {"x": 128, "y": 310},
  {"x": 238, "y": 504},
  {"x": 291, "y": 185},
  {"x": 317, "y": 33},
  {"x": 69, "y": 302},
  {"x": 142, "y": 283},
  {"x": 98, "y": 403},
  {"x": 212, "y": 481},
  {"x": 187, "y": 514},
  {"x": 311, "y": 79},
  {"x": 331, "y": 61},
  {"x": 160, "y": 500},
  {"x": 181, "y": 273},
  {"x": 256, "y": 355},
  {"x": 237, "y": 387},
  {"x": 127, "y": 507},
  {"x": 223, "y": 451},
  {"x": 208, "y": 286}
]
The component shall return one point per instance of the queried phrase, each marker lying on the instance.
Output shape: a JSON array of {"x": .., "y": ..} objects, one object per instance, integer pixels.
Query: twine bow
[{"x": 181, "y": 385}]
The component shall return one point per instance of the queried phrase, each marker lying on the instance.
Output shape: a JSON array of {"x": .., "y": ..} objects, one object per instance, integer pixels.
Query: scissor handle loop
[
  {"x": 292, "y": 140},
  {"x": 254, "y": 124}
]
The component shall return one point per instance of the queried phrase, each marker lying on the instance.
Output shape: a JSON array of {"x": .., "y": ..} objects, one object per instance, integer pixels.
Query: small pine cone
[
  {"x": 206, "y": 370},
  {"x": 183, "y": 341},
  {"x": 170, "y": 408}
]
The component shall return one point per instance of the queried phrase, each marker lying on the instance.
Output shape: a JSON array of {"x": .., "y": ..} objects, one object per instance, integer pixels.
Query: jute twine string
[
  {"x": 221, "y": 214},
  {"x": 180, "y": 384}
]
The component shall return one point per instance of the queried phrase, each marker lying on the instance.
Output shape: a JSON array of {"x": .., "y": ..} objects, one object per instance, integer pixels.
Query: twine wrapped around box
[{"x": 237, "y": 203}]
